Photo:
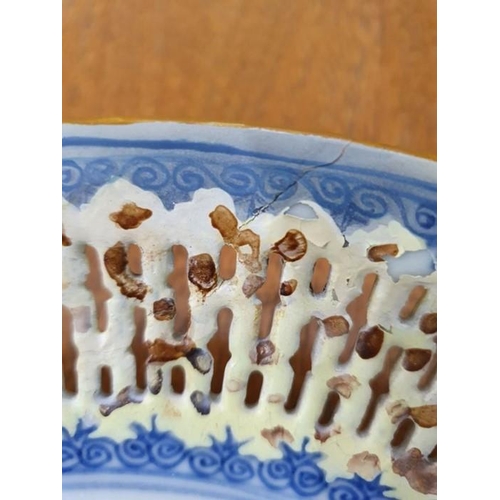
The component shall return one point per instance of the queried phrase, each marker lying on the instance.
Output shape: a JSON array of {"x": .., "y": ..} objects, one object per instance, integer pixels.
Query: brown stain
[
  {"x": 420, "y": 472},
  {"x": 343, "y": 384},
  {"x": 336, "y": 326},
  {"x": 322, "y": 435},
  {"x": 202, "y": 272},
  {"x": 276, "y": 435},
  {"x": 379, "y": 385},
  {"x": 251, "y": 284},
  {"x": 370, "y": 342},
  {"x": 178, "y": 280},
  {"x": 218, "y": 346},
  {"x": 358, "y": 310},
  {"x": 115, "y": 262},
  {"x": 415, "y": 359},
  {"x": 424, "y": 416},
  {"x": 414, "y": 300},
  {"x": 378, "y": 252},
  {"x": 288, "y": 287},
  {"x": 301, "y": 363},
  {"x": 320, "y": 276},
  {"x": 160, "y": 351},
  {"x": 292, "y": 247},
  {"x": 130, "y": 216},
  {"x": 264, "y": 352},
  {"x": 226, "y": 223},
  {"x": 428, "y": 323},
  {"x": 66, "y": 242},
  {"x": 164, "y": 309},
  {"x": 397, "y": 409},
  {"x": 364, "y": 464}
]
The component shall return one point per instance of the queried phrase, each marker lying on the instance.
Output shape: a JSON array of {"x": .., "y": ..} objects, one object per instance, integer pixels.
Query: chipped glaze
[{"x": 373, "y": 362}]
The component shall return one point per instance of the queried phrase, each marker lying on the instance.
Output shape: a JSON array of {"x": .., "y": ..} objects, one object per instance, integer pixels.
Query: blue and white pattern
[
  {"x": 154, "y": 453},
  {"x": 174, "y": 170}
]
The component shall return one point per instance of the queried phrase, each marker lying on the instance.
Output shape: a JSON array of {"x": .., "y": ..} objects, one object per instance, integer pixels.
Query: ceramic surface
[{"x": 345, "y": 199}]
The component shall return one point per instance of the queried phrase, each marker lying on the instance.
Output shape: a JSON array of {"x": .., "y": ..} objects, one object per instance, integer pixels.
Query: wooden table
[{"x": 360, "y": 69}]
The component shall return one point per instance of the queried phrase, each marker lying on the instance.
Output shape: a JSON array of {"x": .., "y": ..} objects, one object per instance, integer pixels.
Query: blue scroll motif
[
  {"x": 154, "y": 450},
  {"x": 354, "y": 196}
]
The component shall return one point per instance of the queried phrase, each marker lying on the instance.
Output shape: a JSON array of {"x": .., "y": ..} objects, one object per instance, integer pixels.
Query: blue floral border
[
  {"x": 162, "y": 453},
  {"x": 174, "y": 170}
]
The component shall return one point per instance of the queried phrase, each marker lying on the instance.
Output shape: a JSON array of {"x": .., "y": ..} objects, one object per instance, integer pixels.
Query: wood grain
[{"x": 360, "y": 69}]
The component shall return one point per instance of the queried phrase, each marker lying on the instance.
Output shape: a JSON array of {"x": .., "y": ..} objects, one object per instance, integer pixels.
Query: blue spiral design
[
  {"x": 276, "y": 474},
  {"x": 72, "y": 175},
  {"x": 190, "y": 177},
  {"x": 70, "y": 458},
  {"x": 204, "y": 462},
  {"x": 239, "y": 180},
  {"x": 329, "y": 191},
  {"x": 308, "y": 480},
  {"x": 100, "y": 171},
  {"x": 147, "y": 173},
  {"x": 342, "y": 489},
  {"x": 133, "y": 453},
  {"x": 278, "y": 180},
  {"x": 167, "y": 452},
  {"x": 426, "y": 217},
  {"x": 96, "y": 452},
  {"x": 370, "y": 201},
  {"x": 238, "y": 469}
]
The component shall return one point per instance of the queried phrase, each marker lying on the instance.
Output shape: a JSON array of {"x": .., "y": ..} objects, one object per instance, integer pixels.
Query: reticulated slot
[
  {"x": 106, "y": 381},
  {"x": 139, "y": 348},
  {"x": 134, "y": 257},
  {"x": 329, "y": 409},
  {"x": 69, "y": 354},
  {"x": 403, "y": 433},
  {"x": 95, "y": 285},
  {"x": 320, "y": 276},
  {"x": 254, "y": 388},
  {"x": 227, "y": 262},
  {"x": 219, "y": 349},
  {"x": 177, "y": 379},
  {"x": 178, "y": 280},
  {"x": 414, "y": 300}
]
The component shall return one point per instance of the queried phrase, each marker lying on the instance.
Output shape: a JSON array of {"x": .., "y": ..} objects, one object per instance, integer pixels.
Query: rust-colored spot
[
  {"x": 161, "y": 352},
  {"x": 130, "y": 216},
  {"x": 424, "y": 416},
  {"x": 322, "y": 435},
  {"x": 226, "y": 223},
  {"x": 115, "y": 261},
  {"x": 379, "y": 385},
  {"x": 202, "y": 272},
  {"x": 292, "y": 247},
  {"x": 419, "y": 471},
  {"x": 370, "y": 342},
  {"x": 414, "y": 299},
  {"x": 415, "y": 359},
  {"x": 320, "y": 277},
  {"x": 124, "y": 397},
  {"x": 277, "y": 434},
  {"x": 252, "y": 284},
  {"x": 364, "y": 464},
  {"x": 264, "y": 351},
  {"x": 428, "y": 323},
  {"x": 344, "y": 384},
  {"x": 335, "y": 326},
  {"x": 357, "y": 310},
  {"x": 66, "y": 242},
  {"x": 397, "y": 409},
  {"x": 164, "y": 309},
  {"x": 378, "y": 252},
  {"x": 288, "y": 287}
]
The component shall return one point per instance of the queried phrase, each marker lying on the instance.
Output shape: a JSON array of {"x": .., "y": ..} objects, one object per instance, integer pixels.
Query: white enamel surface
[{"x": 189, "y": 224}]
